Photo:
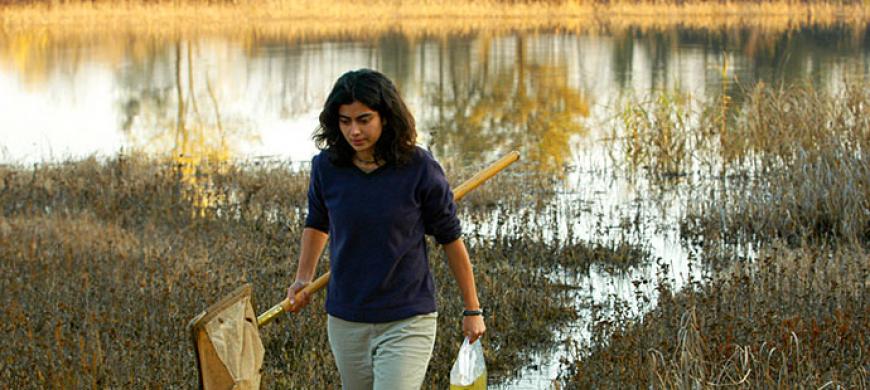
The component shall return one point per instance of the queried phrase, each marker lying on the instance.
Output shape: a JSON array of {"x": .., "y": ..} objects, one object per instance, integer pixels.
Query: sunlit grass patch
[
  {"x": 790, "y": 161},
  {"x": 299, "y": 19}
]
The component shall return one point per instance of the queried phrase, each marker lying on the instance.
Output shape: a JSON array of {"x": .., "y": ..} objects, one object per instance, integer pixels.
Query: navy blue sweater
[{"x": 376, "y": 224}]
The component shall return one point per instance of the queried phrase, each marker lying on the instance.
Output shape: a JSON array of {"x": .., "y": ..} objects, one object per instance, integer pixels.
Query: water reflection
[
  {"x": 475, "y": 96},
  {"x": 471, "y": 82},
  {"x": 179, "y": 118},
  {"x": 505, "y": 105}
]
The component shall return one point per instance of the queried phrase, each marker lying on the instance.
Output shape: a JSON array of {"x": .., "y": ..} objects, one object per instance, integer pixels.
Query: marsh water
[{"x": 553, "y": 96}]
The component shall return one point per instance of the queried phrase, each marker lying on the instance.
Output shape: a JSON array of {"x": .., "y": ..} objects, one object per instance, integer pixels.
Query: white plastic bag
[{"x": 469, "y": 370}]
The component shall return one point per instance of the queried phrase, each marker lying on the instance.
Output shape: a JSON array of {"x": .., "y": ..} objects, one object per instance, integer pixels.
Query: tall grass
[
  {"x": 654, "y": 134},
  {"x": 793, "y": 159},
  {"x": 788, "y": 306},
  {"x": 805, "y": 157}
]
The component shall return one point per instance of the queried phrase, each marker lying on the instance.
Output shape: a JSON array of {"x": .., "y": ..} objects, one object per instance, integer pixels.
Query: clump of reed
[
  {"x": 783, "y": 238},
  {"x": 799, "y": 159},
  {"x": 653, "y": 133},
  {"x": 793, "y": 159},
  {"x": 105, "y": 262}
]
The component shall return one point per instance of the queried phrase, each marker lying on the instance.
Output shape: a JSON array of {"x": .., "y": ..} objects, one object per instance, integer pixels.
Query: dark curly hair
[{"x": 399, "y": 135}]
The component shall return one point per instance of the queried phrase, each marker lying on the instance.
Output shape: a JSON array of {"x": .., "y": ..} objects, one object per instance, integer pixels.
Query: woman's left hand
[{"x": 473, "y": 327}]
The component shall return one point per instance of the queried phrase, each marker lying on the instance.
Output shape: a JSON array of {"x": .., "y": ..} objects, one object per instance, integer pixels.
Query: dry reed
[
  {"x": 804, "y": 153},
  {"x": 791, "y": 178}
]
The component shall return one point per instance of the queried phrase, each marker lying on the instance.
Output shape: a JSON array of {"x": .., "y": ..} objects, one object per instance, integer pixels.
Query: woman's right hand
[{"x": 304, "y": 298}]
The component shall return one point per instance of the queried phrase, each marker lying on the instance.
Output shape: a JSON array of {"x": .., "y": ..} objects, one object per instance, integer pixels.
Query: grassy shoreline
[{"x": 305, "y": 19}]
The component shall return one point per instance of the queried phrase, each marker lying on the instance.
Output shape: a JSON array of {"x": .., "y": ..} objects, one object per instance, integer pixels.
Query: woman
[{"x": 373, "y": 195}]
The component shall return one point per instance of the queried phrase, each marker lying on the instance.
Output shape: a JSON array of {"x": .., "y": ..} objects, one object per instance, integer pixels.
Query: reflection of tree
[
  {"x": 623, "y": 57},
  {"x": 170, "y": 119},
  {"x": 659, "y": 50},
  {"x": 522, "y": 106},
  {"x": 395, "y": 53},
  {"x": 168, "y": 105},
  {"x": 22, "y": 51},
  {"x": 283, "y": 68}
]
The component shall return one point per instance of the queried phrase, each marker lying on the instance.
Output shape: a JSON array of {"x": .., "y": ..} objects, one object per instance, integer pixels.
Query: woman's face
[{"x": 361, "y": 127}]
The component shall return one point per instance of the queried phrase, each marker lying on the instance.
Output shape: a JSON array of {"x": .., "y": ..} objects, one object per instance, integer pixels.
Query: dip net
[{"x": 226, "y": 337}]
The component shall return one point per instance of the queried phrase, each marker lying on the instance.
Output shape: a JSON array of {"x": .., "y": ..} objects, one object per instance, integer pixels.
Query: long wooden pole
[{"x": 458, "y": 193}]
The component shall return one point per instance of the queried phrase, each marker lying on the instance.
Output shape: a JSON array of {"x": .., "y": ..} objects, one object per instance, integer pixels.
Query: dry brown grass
[
  {"x": 796, "y": 318},
  {"x": 301, "y": 19},
  {"x": 104, "y": 263}
]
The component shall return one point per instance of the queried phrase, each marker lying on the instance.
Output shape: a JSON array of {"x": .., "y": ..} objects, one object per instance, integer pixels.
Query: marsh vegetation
[
  {"x": 104, "y": 261},
  {"x": 107, "y": 260},
  {"x": 651, "y": 236},
  {"x": 782, "y": 234}
]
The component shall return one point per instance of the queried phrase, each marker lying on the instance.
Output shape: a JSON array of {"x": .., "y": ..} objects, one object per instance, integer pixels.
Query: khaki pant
[{"x": 381, "y": 356}]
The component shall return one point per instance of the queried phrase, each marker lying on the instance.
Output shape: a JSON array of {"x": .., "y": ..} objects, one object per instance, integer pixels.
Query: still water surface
[
  {"x": 552, "y": 96},
  {"x": 472, "y": 95}
]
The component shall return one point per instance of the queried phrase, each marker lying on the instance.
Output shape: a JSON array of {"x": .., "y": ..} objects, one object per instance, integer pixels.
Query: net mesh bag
[{"x": 226, "y": 339}]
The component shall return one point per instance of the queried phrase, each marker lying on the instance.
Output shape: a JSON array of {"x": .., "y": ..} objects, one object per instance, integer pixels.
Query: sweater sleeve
[
  {"x": 318, "y": 214},
  {"x": 439, "y": 209}
]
